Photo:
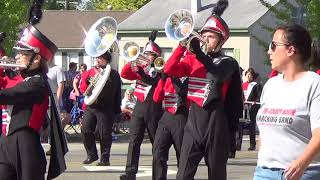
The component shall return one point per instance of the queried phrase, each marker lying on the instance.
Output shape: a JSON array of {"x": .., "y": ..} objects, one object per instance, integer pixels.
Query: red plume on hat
[
  {"x": 215, "y": 23},
  {"x": 151, "y": 46},
  {"x": 32, "y": 39}
]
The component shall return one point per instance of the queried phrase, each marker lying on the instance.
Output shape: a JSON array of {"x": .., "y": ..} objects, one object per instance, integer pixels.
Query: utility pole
[{"x": 67, "y": 5}]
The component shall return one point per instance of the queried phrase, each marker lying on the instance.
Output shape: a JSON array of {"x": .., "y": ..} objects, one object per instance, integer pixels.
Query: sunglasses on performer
[{"x": 273, "y": 45}]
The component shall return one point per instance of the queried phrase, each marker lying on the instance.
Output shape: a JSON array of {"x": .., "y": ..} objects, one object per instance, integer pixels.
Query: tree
[
  {"x": 307, "y": 14},
  {"x": 118, "y": 4},
  {"x": 12, "y": 18},
  {"x": 62, "y": 4}
]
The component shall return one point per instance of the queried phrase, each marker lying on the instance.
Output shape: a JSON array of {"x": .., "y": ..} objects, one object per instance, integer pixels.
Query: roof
[
  {"x": 240, "y": 14},
  {"x": 65, "y": 28}
]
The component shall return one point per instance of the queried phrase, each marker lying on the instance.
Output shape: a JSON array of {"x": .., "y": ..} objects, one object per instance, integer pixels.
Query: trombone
[{"x": 179, "y": 26}]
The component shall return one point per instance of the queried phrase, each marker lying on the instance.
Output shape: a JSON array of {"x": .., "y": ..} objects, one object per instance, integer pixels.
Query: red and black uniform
[
  {"x": 25, "y": 102},
  {"x": 101, "y": 114},
  {"x": 215, "y": 95},
  {"x": 173, "y": 93},
  {"x": 252, "y": 92},
  {"x": 146, "y": 114}
]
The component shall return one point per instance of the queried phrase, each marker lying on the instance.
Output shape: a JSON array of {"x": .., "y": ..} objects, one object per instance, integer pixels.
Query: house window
[
  {"x": 227, "y": 51},
  {"x": 67, "y": 58},
  {"x": 166, "y": 53},
  {"x": 235, "y": 53}
]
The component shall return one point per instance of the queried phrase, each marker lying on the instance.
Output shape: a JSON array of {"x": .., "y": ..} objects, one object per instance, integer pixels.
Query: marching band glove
[
  {"x": 140, "y": 71},
  {"x": 195, "y": 46},
  {"x": 163, "y": 75}
]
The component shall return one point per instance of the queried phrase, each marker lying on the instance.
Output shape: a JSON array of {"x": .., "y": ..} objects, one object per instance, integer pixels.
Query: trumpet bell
[
  {"x": 179, "y": 25},
  {"x": 101, "y": 36}
]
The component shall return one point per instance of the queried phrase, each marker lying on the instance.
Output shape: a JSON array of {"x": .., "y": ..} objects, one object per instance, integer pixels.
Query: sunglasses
[
  {"x": 273, "y": 45},
  {"x": 23, "y": 53}
]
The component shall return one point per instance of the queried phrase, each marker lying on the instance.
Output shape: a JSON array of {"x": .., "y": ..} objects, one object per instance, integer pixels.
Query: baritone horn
[
  {"x": 159, "y": 63},
  {"x": 131, "y": 53},
  {"x": 179, "y": 26},
  {"x": 100, "y": 38}
]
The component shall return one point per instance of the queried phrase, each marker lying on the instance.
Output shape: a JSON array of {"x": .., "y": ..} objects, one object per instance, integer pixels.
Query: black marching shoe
[
  {"x": 232, "y": 155},
  {"x": 252, "y": 148},
  {"x": 128, "y": 177},
  {"x": 89, "y": 160},
  {"x": 103, "y": 163}
]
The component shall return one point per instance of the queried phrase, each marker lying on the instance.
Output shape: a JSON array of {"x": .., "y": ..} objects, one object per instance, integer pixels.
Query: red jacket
[
  {"x": 166, "y": 92},
  {"x": 84, "y": 82},
  {"x": 218, "y": 81},
  {"x": 142, "y": 89},
  {"x": 199, "y": 86}
]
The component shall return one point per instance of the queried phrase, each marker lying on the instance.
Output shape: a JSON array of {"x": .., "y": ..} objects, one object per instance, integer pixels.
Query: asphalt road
[{"x": 240, "y": 168}]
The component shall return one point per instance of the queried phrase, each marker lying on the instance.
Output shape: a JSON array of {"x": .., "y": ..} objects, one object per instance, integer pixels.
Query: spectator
[
  {"x": 68, "y": 87},
  {"x": 127, "y": 104},
  {"x": 289, "y": 117},
  {"x": 77, "y": 80},
  {"x": 56, "y": 80},
  {"x": 252, "y": 92}
]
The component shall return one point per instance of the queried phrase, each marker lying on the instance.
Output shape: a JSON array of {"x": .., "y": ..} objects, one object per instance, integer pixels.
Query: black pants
[
  {"x": 252, "y": 125},
  {"x": 22, "y": 156},
  {"x": 206, "y": 135},
  {"x": 144, "y": 116},
  {"x": 102, "y": 122},
  {"x": 252, "y": 128},
  {"x": 169, "y": 131}
]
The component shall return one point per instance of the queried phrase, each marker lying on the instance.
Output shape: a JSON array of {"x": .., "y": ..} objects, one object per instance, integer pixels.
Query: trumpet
[
  {"x": 7, "y": 62},
  {"x": 131, "y": 53},
  {"x": 179, "y": 26}
]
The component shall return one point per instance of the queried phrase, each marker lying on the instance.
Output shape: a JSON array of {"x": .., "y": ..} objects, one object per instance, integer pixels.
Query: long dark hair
[
  {"x": 314, "y": 63},
  {"x": 297, "y": 36}
]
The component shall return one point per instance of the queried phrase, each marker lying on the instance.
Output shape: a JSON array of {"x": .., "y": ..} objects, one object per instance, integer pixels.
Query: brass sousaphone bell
[{"x": 100, "y": 38}]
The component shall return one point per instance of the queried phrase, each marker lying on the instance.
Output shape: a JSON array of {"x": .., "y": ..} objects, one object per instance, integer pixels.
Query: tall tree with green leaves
[
  {"x": 307, "y": 13},
  {"x": 118, "y": 4},
  {"x": 13, "y": 16}
]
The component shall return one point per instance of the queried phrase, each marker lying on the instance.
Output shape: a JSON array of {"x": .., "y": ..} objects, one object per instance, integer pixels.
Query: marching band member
[
  {"x": 215, "y": 93},
  {"x": 173, "y": 93},
  {"x": 102, "y": 113},
  {"x": 25, "y": 103},
  {"x": 146, "y": 113}
]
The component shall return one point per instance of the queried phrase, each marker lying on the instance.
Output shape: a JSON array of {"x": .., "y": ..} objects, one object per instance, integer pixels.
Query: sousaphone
[{"x": 100, "y": 38}]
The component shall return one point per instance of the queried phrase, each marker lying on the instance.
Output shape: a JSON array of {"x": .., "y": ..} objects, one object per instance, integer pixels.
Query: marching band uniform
[
  {"x": 252, "y": 91},
  {"x": 101, "y": 114},
  {"x": 173, "y": 93},
  {"x": 215, "y": 93},
  {"x": 146, "y": 113},
  {"x": 25, "y": 100}
]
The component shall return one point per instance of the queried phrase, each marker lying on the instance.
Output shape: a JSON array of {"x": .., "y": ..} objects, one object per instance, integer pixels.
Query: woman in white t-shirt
[{"x": 289, "y": 117}]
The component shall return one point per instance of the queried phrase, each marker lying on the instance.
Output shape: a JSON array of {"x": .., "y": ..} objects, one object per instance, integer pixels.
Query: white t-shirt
[
  {"x": 55, "y": 77},
  {"x": 125, "y": 103},
  {"x": 288, "y": 114}
]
